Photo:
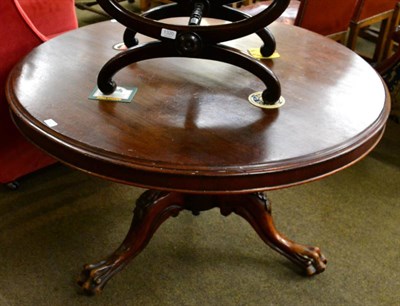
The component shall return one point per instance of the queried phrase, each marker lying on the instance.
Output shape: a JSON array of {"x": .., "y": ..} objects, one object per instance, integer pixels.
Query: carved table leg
[
  {"x": 152, "y": 209},
  {"x": 256, "y": 209}
]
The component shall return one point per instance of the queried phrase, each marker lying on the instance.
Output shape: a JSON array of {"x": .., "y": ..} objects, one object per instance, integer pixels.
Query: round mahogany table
[{"x": 191, "y": 137}]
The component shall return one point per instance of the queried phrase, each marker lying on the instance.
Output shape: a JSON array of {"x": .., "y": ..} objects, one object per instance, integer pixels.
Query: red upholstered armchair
[{"x": 24, "y": 24}]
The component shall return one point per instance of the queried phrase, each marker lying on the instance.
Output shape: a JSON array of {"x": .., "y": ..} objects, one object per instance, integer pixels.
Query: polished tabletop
[{"x": 190, "y": 126}]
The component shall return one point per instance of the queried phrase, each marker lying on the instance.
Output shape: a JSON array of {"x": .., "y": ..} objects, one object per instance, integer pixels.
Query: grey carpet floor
[{"x": 62, "y": 218}]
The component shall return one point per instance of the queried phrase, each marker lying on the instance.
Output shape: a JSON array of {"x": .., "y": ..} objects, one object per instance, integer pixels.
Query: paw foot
[
  {"x": 94, "y": 277},
  {"x": 315, "y": 261}
]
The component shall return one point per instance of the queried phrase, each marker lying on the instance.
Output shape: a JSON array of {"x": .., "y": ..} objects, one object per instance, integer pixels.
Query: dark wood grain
[{"x": 190, "y": 127}]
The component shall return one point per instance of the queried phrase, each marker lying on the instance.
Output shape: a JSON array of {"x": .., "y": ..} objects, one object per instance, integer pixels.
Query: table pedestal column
[{"x": 154, "y": 207}]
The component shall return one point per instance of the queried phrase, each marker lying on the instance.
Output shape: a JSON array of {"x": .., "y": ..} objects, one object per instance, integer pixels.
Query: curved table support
[
  {"x": 214, "y": 52},
  {"x": 155, "y": 207},
  {"x": 257, "y": 212},
  {"x": 210, "y": 34},
  {"x": 152, "y": 209},
  {"x": 193, "y": 40},
  {"x": 228, "y": 13}
]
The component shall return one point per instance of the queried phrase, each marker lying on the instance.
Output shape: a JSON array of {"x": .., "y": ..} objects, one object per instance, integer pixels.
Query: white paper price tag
[
  {"x": 50, "y": 122},
  {"x": 168, "y": 33}
]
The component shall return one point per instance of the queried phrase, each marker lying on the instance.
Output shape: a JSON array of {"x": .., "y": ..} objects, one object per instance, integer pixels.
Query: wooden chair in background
[
  {"x": 326, "y": 17},
  {"x": 391, "y": 43},
  {"x": 368, "y": 13},
  {"x": 389, "y": 69}
]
